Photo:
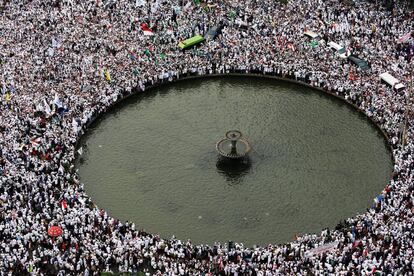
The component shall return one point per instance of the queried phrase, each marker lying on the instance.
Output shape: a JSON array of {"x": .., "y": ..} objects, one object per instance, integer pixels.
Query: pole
[{"x": 407, "y": 106}]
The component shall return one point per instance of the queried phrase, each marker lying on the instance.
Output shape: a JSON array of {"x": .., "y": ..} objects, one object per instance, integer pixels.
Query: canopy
[
  {"x": 311, "y": 34},
  {"x": 190, "y": 42},
  {"x": 391, "y": 81},
  {"x": 213, "y": 32},
  {"x": 363, "y": 64}
]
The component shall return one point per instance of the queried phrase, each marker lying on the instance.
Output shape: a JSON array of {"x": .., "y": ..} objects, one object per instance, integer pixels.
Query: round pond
[{"x": 314, "y": 161}]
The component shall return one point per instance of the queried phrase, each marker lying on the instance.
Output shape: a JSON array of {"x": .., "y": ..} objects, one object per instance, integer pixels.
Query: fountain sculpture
[{"x": 234, "y": 146}]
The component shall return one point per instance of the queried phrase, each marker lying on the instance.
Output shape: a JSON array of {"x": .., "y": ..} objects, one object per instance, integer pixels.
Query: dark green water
[{"x": 315, "y": 161}]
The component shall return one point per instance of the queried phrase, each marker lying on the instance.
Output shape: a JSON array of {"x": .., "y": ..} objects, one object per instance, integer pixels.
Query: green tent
[{"x": 190, "y": 42}]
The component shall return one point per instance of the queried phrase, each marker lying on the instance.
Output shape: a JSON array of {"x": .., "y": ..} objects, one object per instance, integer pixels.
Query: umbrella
[{"x": 55, "y": 231}]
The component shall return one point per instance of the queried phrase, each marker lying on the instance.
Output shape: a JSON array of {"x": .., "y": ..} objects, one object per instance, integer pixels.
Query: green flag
[{"x": 313, "y": 44}]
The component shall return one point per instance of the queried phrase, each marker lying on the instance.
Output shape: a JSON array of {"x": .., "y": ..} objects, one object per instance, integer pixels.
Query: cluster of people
[{"x": 64, "y": 62}]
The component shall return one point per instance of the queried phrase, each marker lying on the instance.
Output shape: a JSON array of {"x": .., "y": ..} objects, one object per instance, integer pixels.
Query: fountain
[{"x": 234, "y": 146}]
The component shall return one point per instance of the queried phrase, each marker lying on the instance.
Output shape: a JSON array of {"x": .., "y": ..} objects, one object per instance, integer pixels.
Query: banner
[{"x": 322, "y": 249}]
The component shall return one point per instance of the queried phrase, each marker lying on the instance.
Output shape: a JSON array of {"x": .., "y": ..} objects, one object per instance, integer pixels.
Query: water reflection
[{"x": 233, "y": 170}]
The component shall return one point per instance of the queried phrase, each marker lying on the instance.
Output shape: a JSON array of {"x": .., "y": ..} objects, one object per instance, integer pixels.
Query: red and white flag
[
  {"x": 170, "y": 31},
  {"x": 146, "y": 30},
  {"x": 35, "y": 142},
  {"x": 63, "y": 204},
  {"x": 404, "y": 38}
]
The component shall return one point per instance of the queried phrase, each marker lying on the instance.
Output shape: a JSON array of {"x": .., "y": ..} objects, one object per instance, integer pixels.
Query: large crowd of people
[{"x": 63, "y": 62}]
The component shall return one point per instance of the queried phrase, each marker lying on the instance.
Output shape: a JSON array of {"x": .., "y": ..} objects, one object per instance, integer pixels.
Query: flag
[
  {"x": 187, "y": 6},
  {"x": 405, "y": 38},
  {"x": 291, "y": 46},
  {"x": 146, "y": 30},
  {"x": 81, "y": 200},
  {"x": 75, "y": 125},
  {"x": 351, "y": 75},
  {"x": 55, "y": 43},
  {"x": 47, "y": 107},
  {"x": 107, "y": 75},
  {"x": 356, "y": 243},
  {"x": 7, "y": 97},
  {"x": 313, "y": 44},
  {"x": 57, "y": 101},
  {"x": 163, "y": 56},
  {"x": 170, "y": 31},
  {"x": 4, "y": 88},
  {"x": 379, "y": 199},
  {"x": 132, "y": 55},
  {"x": 62, "y": 110},
  {"x": 283, "y": 42},
  {"x": 139, "y": 3},
  {"x": 63, "y": 204},
  {"x": 35, "y": 142}
]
